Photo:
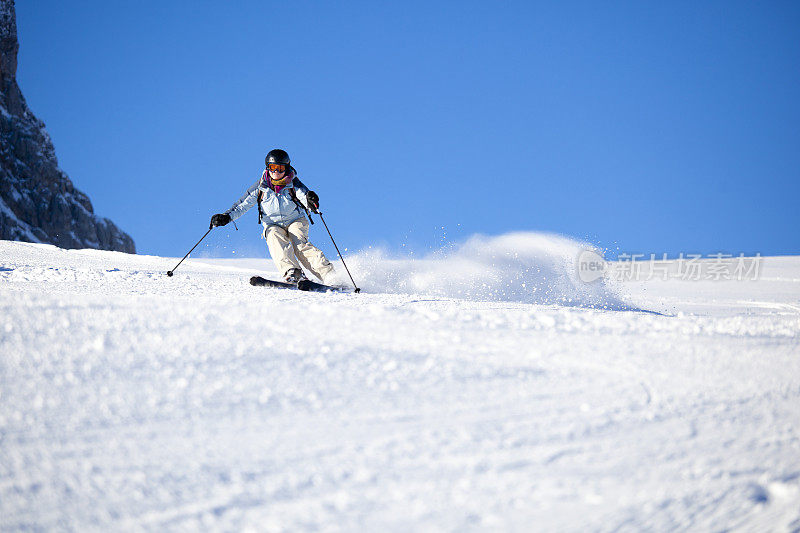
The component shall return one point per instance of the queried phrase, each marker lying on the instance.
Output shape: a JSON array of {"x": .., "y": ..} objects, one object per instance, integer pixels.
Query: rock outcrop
[{"x": 38, "y": 202}]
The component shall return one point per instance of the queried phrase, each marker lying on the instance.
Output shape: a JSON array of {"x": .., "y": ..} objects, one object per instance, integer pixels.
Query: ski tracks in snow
[{"x": 134, "y": 401}]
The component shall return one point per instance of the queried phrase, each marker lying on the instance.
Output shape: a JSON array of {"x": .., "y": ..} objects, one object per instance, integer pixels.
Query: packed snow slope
[{"x": 481, "y": 388}]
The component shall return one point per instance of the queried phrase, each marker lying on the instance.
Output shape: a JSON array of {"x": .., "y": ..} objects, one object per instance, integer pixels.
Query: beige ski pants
[{"x": 289, "y": 248}]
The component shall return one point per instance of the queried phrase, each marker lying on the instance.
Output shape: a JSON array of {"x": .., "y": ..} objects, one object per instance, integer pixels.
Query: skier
[{"x": 278, "y": 194}]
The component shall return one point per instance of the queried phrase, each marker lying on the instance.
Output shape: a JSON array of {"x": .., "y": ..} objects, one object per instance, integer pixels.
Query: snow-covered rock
[{"x": 38, "y": 202}]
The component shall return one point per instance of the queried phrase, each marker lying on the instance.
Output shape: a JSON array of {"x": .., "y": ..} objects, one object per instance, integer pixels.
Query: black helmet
[{"x": 277, "y": 156}]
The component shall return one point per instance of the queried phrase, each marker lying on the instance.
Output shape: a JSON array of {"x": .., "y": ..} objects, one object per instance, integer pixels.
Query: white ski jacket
[{"x": 277, "y": 208}]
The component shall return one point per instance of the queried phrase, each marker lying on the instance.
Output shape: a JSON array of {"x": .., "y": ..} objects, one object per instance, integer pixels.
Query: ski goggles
[{"x": 276, "y": 167}]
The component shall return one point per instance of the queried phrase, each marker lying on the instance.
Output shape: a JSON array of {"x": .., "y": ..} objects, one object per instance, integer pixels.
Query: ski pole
[
  {"x": 338, "y": 252},
  {"x": 170, "y": 272}
]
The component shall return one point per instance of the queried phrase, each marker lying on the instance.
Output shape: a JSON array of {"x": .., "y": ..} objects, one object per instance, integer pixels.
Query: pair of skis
[{"x": 303, "y": 285}]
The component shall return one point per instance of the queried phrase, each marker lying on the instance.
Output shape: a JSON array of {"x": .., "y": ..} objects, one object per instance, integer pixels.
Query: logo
[{"x": 591, "y": 266}]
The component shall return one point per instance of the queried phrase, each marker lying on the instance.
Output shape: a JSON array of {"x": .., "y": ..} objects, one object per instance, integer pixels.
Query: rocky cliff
[{"x": 38, "y": 202}]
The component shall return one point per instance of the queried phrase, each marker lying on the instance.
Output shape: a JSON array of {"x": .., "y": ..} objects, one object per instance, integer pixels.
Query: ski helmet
[{"x": 277, "y": 156}]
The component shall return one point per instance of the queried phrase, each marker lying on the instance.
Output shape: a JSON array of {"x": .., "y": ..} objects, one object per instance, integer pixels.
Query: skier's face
[
  {"x": 276, "y": 171},
  {"x": 277, "y": 174}
]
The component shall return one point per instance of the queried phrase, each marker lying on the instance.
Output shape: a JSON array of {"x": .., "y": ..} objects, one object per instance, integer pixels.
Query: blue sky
[{"x": 639, "y": 126}]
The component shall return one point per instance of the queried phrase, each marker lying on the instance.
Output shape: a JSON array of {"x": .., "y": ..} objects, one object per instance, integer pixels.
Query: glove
[
  {"x": 220, "y": 219},
  {"x": 313, "y": 201}
]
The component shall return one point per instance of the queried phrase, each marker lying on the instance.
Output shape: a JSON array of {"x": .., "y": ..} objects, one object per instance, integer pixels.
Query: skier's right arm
[
  {"x": 244, "y": 203},
  {"x": 238, "y": 209}
]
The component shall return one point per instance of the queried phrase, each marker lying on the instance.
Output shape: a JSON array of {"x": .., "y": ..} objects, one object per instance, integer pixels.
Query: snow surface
[{"x": 482, "y": 388}]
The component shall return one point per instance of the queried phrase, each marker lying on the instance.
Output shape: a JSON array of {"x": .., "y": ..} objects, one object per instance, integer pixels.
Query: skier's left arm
[{"x": 309, "y": 198}]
